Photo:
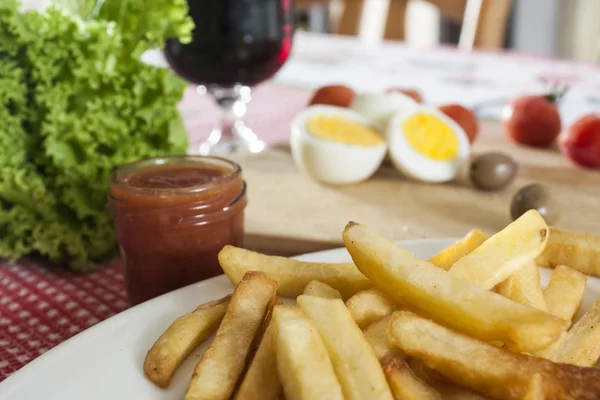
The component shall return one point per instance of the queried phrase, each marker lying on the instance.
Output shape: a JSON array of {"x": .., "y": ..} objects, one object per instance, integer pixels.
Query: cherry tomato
[
  {"x": 463, "y": 117},
  {"x": 333, "y": 95},
  {"x": 581, "y": 141},
  {"x": 415, "y": 94},
  {"x": 532, "y": 121}
]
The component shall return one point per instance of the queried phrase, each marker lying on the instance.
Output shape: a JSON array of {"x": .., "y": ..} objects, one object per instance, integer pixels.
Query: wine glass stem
[
  {"x": 233, "y": 104},
  {"x": 231, "y": 135}
]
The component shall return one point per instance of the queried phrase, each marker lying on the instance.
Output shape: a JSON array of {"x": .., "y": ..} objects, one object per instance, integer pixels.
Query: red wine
[{"x": 234, "y": 42}]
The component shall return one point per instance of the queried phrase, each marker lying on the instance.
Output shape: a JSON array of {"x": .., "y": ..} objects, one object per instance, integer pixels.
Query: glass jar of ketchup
[{"x": 172, "y": 217}]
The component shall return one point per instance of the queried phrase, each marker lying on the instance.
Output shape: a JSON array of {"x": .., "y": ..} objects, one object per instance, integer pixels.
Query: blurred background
[{"x": 553, "y": 28}]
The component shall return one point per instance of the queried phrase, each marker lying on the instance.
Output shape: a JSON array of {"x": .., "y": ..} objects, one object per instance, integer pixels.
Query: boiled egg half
[
  {"x": 426, "y": 145},
  {"x": 335, "y": 145},
  {"x": 378, "y": 108}
]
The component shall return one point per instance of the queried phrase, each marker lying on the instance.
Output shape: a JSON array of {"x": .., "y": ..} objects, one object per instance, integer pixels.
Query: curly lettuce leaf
[
  {"x": 14, "y": 140},
  {"x": 75, "y": 103},
  {"x": 148, "y": 23}
]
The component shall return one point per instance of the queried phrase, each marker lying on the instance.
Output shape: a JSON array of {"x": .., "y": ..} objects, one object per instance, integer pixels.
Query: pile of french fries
[{"x": 472, "y": 322}]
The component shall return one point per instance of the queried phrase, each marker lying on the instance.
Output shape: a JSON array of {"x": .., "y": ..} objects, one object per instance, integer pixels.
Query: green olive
[
  {"x": 535, "y": 197},
  {"x": 492, "y": 171}
]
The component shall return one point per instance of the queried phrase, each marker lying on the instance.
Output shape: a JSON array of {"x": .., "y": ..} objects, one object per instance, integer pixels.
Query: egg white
[
  {"x": 328, "y": 161},
  {"x": 417, "y": 166},
  {"x": 378, "y": 108}
]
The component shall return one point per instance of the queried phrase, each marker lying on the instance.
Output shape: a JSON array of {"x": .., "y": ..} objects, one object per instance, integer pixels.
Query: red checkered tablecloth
[{"x": 42, "y": 306}]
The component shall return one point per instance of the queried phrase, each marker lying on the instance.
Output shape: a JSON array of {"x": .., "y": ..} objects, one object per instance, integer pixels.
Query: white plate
[{"x": 105, "y": 361}]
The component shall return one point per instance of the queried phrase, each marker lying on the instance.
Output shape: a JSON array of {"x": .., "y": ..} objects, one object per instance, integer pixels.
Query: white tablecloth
[{"x": 443, "y": 75}]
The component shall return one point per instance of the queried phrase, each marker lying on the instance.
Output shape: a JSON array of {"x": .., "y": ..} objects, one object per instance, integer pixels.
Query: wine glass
[{"x": 236, "y": 44}]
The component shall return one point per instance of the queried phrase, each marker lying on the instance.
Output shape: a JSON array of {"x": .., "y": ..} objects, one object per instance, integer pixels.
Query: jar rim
[
  {"x": 119, "y": 176},
  {"x": 198, "y": 219}
]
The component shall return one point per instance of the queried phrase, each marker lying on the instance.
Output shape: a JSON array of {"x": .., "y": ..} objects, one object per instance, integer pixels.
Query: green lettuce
[{"x": 75, "y": 103}]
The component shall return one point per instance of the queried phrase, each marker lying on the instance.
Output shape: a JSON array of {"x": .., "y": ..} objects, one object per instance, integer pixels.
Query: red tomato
[
  {"x": 415, "y": 94},
  {"x": 463, "y": 117},
  {"x": 532, "y": 121},
  {"x": 581, "y": 141},
  {"x": 333, "y": 95}
]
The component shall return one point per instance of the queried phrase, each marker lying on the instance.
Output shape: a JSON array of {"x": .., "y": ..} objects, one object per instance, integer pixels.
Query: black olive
[
  {"x": 535, "y": 197},
  {"x": 492, "y": 171}
]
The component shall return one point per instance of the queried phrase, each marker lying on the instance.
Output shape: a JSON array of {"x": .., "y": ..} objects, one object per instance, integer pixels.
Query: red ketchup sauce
[{"x": 172, "y": 216}]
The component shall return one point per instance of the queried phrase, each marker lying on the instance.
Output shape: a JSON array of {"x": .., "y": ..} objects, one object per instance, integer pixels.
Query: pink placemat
[{"x": 269, "y": 113}]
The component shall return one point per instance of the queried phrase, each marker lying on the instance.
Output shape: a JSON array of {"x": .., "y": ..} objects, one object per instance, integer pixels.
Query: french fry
[
  {"x": 369, "y": 306},
  {"x": 563, "y": 296},
  {"x": 440, "y": 383},
  {"x": 446, "y": 258},
  {"x": 564, "y": 292},
  {"x": 579, "y": 251},
  {"x": 376, "y": 336},
  {"x": 319, "y": 289},
  {"x": 524, "y": 287},
  {"x": 425, "y": 373},
  {"x": 219, "y": 369},
  {"x": 487, "y": 369},
  {"x": 353, "y": 360},
  {"x": 304, "y": 367},
  {"x": 292, "y": 275},
  {"x": 448, "y": 390},
  {"x": 453, "y": 392},
  {"x": 261, "y": 381},
  {"x": 504, "y": 253},
  {"x": 550, "y": 351},
  {"x": 582, "y": 345},
  {"x": 455, "y": 302},
  {"x": 443, "y": 385},
  {"x": 405, "y": 385},
  {"x": 180, "y": 339},
  {"x": 535, "y": 390}
]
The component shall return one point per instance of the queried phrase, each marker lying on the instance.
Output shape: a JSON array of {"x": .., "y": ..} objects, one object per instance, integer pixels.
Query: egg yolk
[
  {"x": 340, "y": 130},
  {"x": 431, "y": 137}
]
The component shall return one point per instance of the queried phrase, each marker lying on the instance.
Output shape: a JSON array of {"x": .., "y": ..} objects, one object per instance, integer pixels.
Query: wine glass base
[
  {"x": 231, "y": 135},
  {"x": 219, "y": 144}
]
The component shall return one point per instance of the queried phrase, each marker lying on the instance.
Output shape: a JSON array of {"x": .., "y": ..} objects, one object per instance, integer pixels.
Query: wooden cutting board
[{"x": 288, "y": 213}]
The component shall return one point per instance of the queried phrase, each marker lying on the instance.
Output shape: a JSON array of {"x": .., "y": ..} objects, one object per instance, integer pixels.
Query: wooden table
[{"x": 288, "y": 213}]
